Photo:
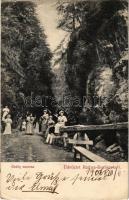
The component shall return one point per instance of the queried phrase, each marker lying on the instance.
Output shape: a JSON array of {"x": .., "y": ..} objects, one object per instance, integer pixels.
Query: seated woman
[
  {"x": 60, "y": 123},
  {"x": 50, "y": 130}
]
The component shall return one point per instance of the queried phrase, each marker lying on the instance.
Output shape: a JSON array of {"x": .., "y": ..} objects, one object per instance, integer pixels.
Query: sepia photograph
[{"x": 64, "y": 80}]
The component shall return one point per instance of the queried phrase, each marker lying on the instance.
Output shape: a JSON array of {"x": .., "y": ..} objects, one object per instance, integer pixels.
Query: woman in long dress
[
  {"x": 8, "y": 122},
  {"x": 29, "y": 125},
  {"x": 36, "y": 127},
  {"x": 61, "y": 122},
  {"x": 44, "y": 119}
]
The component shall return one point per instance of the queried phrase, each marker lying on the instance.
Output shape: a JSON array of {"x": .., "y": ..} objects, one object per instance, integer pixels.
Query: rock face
[
  {"x": 60, "y": 86},
  {"x": 93, "y": 68},
  {"x": 61, "y": 90},
  {"x": 110, "y": 73},
  {"x": 94, "y": 65}
]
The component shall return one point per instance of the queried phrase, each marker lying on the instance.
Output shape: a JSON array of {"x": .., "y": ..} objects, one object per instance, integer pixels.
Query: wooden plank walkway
[{"x": 88, "y": 154}]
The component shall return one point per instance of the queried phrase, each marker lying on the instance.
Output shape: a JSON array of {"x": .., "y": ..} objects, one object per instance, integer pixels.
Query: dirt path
[
  {"x": 19, "y": 147},
  {"x": 27, "y": 148}
]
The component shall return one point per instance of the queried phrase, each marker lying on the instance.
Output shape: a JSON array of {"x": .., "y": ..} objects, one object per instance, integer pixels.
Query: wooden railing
[
  {"x": 82, "y": 128},
  {"x": 79, "y": 128}
]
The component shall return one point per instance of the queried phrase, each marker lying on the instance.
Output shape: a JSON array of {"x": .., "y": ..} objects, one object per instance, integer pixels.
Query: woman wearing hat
[
  {"x": 61, "y": 122},
  {"x": 44, "y": 119},
  {"x": 29, "y": 125},
  {"x": 5, "y": 112},
  {"x": 8, "y": 123},
  {"x": 50, "y": 130}
]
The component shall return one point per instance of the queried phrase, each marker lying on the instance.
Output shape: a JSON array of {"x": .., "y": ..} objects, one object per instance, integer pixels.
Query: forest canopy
[{"x": 25, "y": 54}]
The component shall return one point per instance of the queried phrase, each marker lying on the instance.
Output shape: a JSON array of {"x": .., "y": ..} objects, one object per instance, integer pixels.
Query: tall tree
[{"x": 25, "y": 52}]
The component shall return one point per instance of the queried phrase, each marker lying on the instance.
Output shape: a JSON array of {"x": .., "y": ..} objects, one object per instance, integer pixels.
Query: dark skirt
[{"x": 51, "y": 130}]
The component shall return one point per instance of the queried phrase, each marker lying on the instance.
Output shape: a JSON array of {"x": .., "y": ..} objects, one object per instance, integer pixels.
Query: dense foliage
[{"x": 25, "y": 54}]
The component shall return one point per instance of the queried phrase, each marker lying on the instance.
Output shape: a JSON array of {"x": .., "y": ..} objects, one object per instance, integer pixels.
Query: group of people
[
  {"x": 45, "y": 124},
  {"x": 53, "y": 128},
  {"x": 48, "y": 124}
]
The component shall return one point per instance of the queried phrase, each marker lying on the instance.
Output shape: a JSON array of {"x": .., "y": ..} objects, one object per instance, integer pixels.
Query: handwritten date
[{"x": 42, "y": 182}]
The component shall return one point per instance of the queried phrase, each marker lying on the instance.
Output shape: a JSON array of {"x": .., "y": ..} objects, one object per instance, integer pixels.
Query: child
[{"x": 23, "y": 127}]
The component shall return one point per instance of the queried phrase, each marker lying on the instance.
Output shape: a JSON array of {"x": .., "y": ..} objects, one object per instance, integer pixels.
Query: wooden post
[{"x": 75, "y": 155}]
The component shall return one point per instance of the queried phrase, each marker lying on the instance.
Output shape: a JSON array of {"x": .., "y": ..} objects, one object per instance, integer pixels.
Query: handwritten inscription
[{"x": 42, "y": 182}]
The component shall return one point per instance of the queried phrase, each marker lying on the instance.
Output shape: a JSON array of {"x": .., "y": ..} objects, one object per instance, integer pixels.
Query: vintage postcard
[{"x": 64, "y": 99}]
